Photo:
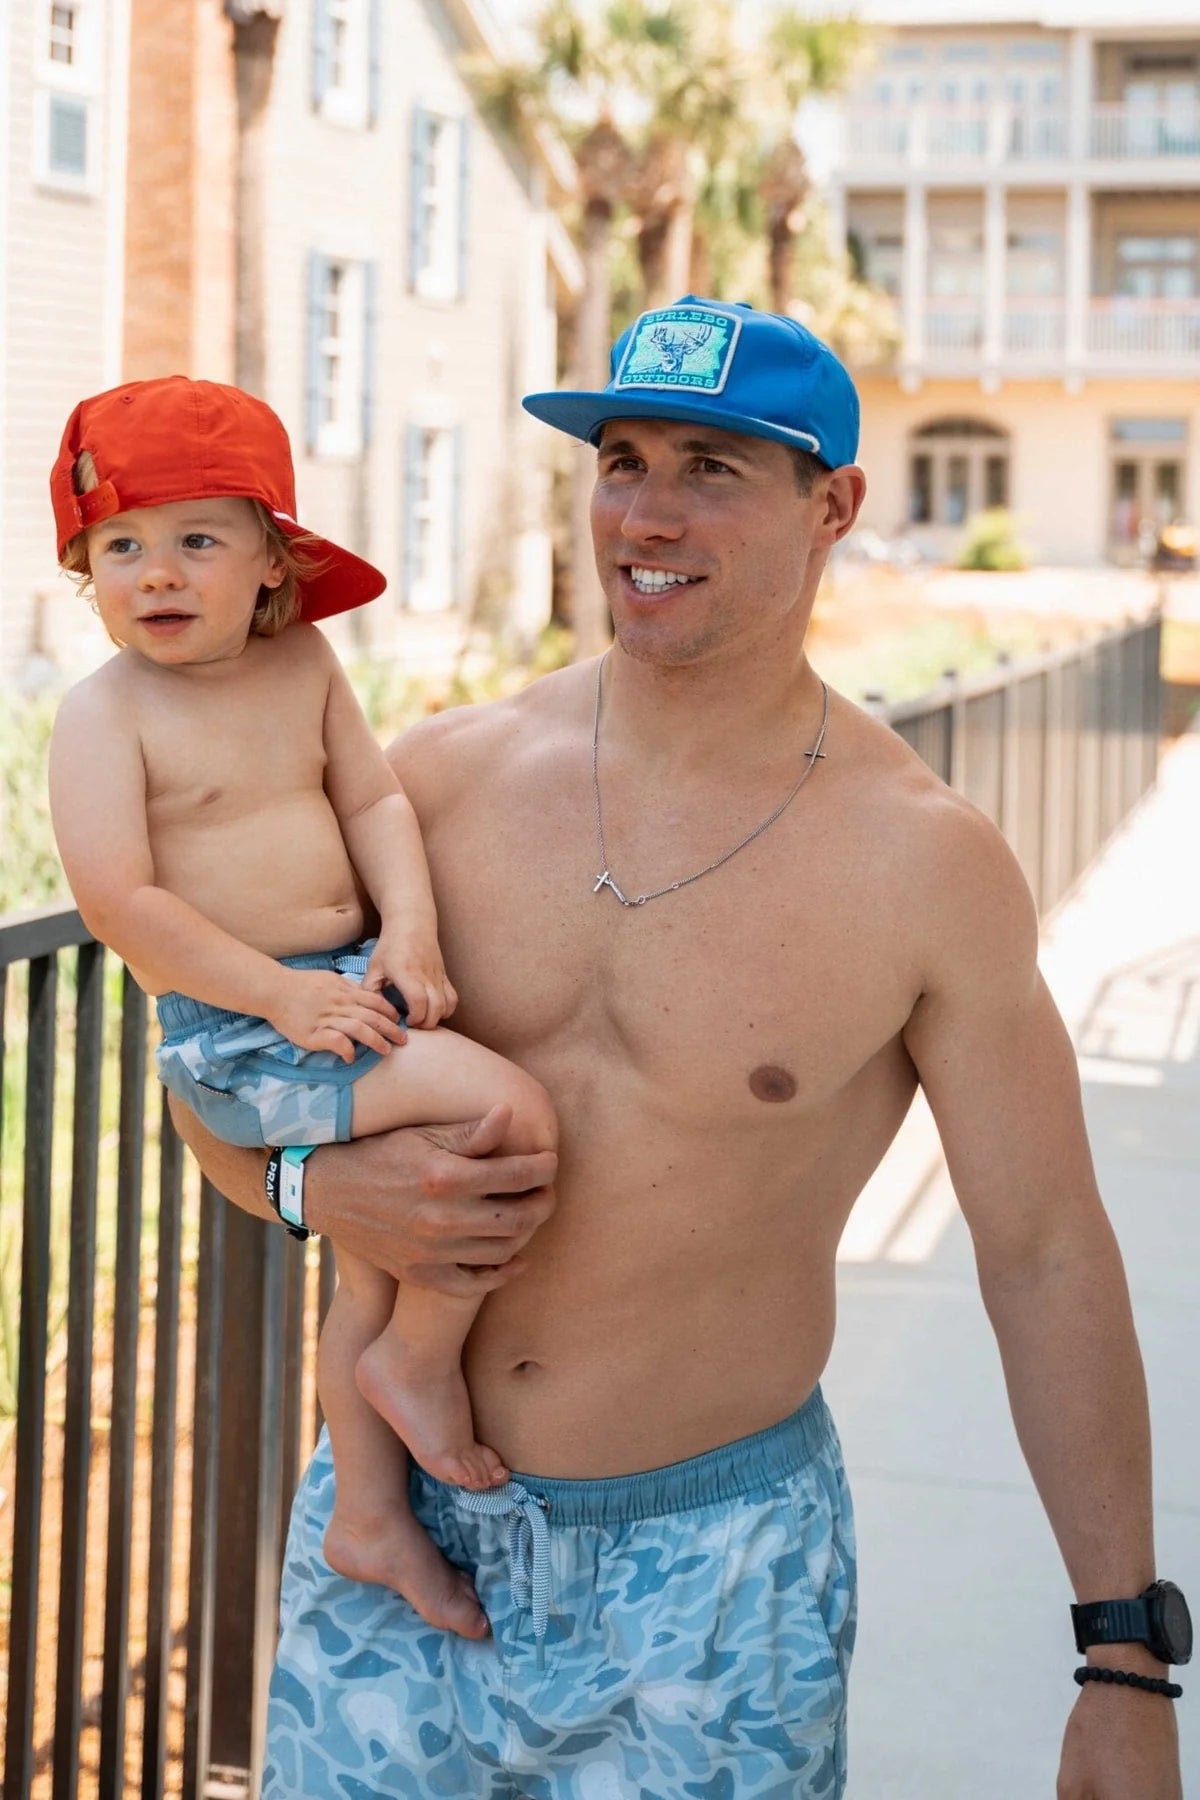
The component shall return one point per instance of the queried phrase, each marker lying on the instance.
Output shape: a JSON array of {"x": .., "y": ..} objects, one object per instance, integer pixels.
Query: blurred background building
[
  {"x": 301, "y": 198},
  {"x": 1029, "y": 194}
]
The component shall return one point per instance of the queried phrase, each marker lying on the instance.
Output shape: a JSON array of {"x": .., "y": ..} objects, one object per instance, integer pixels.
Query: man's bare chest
[{"x": 769, "y": 981}]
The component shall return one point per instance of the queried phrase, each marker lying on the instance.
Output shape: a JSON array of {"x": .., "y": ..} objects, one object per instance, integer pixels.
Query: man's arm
[
  {"x": 999, "y": 1071},
  {"x": 433, "y": 1205}
]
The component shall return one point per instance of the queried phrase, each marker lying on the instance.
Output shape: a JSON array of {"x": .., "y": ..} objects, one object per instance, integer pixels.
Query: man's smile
[{"x": 648, "y": 580}]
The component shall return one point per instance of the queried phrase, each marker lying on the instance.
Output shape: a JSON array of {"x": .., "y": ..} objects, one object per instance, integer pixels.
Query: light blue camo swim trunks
[
  {"x": 250, "y": 1085},
  {"x": 683, "y": 1634}
]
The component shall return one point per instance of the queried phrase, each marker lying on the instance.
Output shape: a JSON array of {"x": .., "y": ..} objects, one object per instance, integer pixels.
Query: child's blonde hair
[{"x": 276, "y": 607}]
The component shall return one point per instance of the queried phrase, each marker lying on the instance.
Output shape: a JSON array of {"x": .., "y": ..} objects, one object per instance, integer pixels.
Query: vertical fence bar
[
  {"x": 31, "y": 1378},
  {"x": 77, "y": 1444},
  {"x": 122, "y": 1441},
  {"x": 163, "y": 1451},
  {"x": 295, "y": 1266},
  {"x": 1052, "y": 882},
  {"x": 210, "y": 1325},
  {"x": 270, "y": 1492}
]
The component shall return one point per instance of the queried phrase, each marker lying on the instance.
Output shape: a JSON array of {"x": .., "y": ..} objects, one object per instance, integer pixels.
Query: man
[{"x": 730, "y": 922}]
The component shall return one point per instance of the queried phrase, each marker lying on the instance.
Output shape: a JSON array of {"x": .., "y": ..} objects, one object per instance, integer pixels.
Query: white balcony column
[
  {"x": 995, "y": 246},
  {"x": 1080, "y": 97},
  {"x": 916, "y": 275},
  {"x": 1078, "y": 279}
]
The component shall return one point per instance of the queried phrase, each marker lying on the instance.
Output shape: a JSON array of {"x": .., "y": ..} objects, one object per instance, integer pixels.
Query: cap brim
[
  {"x": 341, "y": 580},
  {"x": 582, "y": 415}
]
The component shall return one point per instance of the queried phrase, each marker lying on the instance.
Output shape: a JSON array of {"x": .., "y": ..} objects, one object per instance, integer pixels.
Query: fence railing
[{"x": 164, "y": 1399}]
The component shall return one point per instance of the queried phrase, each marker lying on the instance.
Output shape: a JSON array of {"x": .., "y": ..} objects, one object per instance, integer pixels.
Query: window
[
  {"x": 340, "y": 355},
  {"x": 432, "y": 470},
  {"x": 957, "y": 466},
  {"x": 66, "y": 95},
  {"x": 61, "y": 43},
  {"x": 1157, "y": 268},
  {"x": 1034, "y": 265},
  {"x": 439, "y": 206},
  {"x": 346, "y": 61}
]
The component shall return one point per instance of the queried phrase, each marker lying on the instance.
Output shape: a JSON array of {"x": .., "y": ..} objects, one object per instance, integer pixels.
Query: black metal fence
[{"x": 163, "y": 1359}]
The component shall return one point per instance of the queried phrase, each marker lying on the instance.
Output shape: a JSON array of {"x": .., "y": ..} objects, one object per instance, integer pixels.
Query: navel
[{"x": 770, "y": 1082}]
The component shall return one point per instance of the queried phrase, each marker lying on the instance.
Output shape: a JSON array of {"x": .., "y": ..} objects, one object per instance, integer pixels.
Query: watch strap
[
  {"x": 1111, "y": 1622},
  {"x": 283, "y": 1182}
]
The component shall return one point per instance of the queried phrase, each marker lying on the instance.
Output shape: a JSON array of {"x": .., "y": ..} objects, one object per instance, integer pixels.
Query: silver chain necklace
[{"x": 604, "y": 879}]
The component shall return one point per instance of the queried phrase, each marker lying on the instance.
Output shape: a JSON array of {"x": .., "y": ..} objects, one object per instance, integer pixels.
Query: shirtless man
[{"x": 671, "y": 1606}]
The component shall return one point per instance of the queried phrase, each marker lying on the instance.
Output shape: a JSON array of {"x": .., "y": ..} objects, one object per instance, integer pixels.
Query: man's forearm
[{"x": 1078, "y": 1395}]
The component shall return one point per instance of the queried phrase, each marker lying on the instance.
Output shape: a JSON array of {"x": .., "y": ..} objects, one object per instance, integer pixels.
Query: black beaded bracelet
[{"x": 1152, "y": 1684}]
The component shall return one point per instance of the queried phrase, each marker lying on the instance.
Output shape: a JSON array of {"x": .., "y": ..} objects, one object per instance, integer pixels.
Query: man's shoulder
[
  {"x": 454, "y": 747},
  {"x": 950, "y": 870}
]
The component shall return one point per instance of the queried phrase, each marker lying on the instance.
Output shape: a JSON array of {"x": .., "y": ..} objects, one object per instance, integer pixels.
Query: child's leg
[
  {"x": 372, "y": 1535},
  {"x": 412, "y": 1372}
]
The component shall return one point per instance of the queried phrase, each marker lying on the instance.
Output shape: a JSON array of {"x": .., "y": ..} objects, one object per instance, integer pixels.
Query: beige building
[
  {"x": 1029, "y": 193},
  {"x": 63, "y": 74},
  {"x": 409, "y": 266}
]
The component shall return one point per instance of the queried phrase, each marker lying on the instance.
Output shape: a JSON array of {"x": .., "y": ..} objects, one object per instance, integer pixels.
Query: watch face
[{"x": 1175, "y": 1622}]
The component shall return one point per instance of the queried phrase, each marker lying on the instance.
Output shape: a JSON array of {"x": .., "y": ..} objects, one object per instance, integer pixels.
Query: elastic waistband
[
  {"x": 749, "y": 1468},
  {"x": 179, "y": 1013}
]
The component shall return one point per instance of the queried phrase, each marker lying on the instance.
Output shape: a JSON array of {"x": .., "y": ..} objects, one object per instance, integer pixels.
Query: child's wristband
[{"x": 283, "y": 1184}]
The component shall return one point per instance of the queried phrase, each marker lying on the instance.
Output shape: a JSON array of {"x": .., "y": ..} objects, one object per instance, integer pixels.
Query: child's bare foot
[
  {"x": 394, "y": 1551},
  {"x": 430, "y": 1411}
]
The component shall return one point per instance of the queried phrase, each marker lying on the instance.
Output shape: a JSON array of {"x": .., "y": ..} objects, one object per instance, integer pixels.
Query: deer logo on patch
[{"x": 680, "y": 347}]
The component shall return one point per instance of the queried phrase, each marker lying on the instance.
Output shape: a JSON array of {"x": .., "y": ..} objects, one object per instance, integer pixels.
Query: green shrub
[
  {"x": 30, "y": 872},
  {"x": 992, "y": 542}
]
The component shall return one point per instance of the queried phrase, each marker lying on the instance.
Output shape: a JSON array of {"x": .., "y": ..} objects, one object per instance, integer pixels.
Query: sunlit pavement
[{"x": 962, "y": 1680}]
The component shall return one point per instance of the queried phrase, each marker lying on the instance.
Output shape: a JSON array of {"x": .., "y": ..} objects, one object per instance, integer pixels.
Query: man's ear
[{"x": 845, "y": 491}]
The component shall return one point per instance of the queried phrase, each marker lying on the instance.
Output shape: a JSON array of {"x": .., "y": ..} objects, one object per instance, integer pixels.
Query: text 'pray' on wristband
[{"x": 283, "y": 1184}]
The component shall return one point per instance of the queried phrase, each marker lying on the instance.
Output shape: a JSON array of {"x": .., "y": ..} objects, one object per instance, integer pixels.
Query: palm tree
[{"x": 799, "y": 56}]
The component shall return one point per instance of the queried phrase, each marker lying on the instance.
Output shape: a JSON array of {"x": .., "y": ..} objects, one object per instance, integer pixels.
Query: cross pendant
[{"x": 606, "y": 880}]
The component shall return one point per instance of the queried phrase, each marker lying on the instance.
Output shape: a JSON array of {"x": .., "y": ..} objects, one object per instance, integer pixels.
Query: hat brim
[
  {"x": 341, "y": 580},
  {"x": 583, "y": 415}
]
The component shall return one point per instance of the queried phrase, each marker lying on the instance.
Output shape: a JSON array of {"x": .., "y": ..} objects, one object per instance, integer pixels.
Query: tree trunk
[
  {"x": 589, "y": 608},
  {"x": 784, "y": 190},
  {"x": 665, "y": 202},
  {"x": 254, "y": 67}
]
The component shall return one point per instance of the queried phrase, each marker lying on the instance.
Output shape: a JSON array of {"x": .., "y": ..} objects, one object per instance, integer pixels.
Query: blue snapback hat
[{"x": 731, "y": 367}]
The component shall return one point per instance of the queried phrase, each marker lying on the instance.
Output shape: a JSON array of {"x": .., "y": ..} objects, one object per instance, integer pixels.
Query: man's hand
[
  {"x": 411, "y": 961},
  {"x": 432, "y": 1204},
  {"x": 322, "y": 1011},
  {"x": 1120, "y": 1744}
]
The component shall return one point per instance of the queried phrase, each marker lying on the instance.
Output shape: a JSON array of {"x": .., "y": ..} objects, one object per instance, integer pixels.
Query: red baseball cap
[{"x": 177, "y": 439}]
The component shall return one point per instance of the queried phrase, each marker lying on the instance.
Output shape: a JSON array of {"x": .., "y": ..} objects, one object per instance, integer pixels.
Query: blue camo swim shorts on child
[
  {"x": 683, "y": 1634},
  {"x": 248, "y": 1084}
]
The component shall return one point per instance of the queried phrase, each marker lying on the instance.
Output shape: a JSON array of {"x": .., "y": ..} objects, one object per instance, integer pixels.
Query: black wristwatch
[{"x": 1158, "y": 1618}]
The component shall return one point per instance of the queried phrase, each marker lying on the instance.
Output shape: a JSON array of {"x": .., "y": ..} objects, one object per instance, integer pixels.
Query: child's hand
[
  {"x": 322, "y": 1011},
  {"x": 413, "y": 963}
]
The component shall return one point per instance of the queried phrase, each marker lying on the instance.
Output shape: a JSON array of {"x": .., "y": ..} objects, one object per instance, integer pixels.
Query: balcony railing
[
  {"x": 1145, "y": 331},
  {"x": 954, "y": 327},
  {"x": 1002, "y": 132},
  {"x": 1131, "y": 133},
  {"x": 1035, "y": 331},
  {"x": 1117, "y": 334},
  {"x": 163, "y": 1356}
]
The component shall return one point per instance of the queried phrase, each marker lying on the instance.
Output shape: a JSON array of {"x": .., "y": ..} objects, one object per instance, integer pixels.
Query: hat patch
[{"x": 681, "y": 347}]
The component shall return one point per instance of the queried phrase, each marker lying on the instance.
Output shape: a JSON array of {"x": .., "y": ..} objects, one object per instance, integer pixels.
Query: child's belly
[{"x": 276, "y": 877}]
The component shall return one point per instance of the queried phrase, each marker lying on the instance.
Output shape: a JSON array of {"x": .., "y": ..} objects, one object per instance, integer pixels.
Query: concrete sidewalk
[{"x": 962, "y": 1681}]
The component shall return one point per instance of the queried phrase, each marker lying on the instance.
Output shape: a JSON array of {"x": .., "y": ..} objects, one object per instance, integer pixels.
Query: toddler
[{"x": 226, "y": 819}]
